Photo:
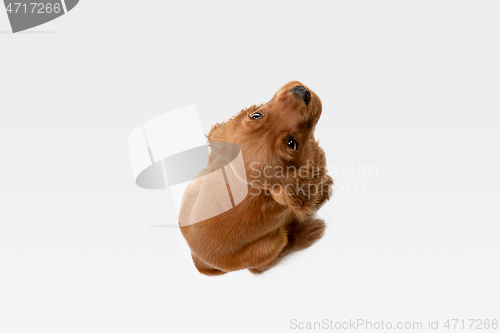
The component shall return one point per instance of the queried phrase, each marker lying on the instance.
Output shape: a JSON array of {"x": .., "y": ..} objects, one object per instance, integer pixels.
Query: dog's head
[{"x": 278, "y": 146}]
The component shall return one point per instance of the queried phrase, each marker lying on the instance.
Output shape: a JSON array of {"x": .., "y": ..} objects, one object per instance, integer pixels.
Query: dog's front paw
[
  {"x": 326, "y": 192},
  {"x": 305, "y": 196}
]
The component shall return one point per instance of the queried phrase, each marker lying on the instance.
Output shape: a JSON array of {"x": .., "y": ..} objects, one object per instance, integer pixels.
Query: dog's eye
[
  {"x": 292, "y": 143},
  {"x": 256, "y": 115}
]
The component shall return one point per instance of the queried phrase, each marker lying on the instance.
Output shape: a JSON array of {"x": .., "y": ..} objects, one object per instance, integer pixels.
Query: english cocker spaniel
[{"x": 284, "y": 178}]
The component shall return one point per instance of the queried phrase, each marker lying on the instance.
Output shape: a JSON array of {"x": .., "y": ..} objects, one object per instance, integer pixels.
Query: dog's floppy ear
[{"x": 305, "y": 190}]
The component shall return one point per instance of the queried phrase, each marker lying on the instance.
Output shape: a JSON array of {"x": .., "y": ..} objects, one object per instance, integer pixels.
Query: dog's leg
[
  {"x": 257, "y": 254},
  {"x": 300, "y": 235},
  {"x": 204, "y": 268},
  {"x": 260, "y": 253}
]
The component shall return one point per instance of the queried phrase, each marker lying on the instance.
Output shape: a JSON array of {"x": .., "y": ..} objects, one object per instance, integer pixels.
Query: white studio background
[{"x": 409, "y": 89}]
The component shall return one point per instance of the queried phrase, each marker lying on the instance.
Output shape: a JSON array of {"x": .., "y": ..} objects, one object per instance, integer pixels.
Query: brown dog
[{"x": 286, "y": 180}]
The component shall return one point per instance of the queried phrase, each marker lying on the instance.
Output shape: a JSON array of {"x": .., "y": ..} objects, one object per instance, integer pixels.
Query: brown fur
[{"x": 269, "y": 223}]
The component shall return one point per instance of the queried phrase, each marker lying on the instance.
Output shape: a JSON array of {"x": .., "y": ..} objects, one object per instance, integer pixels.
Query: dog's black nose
[{"x": 302, "y": 93}]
